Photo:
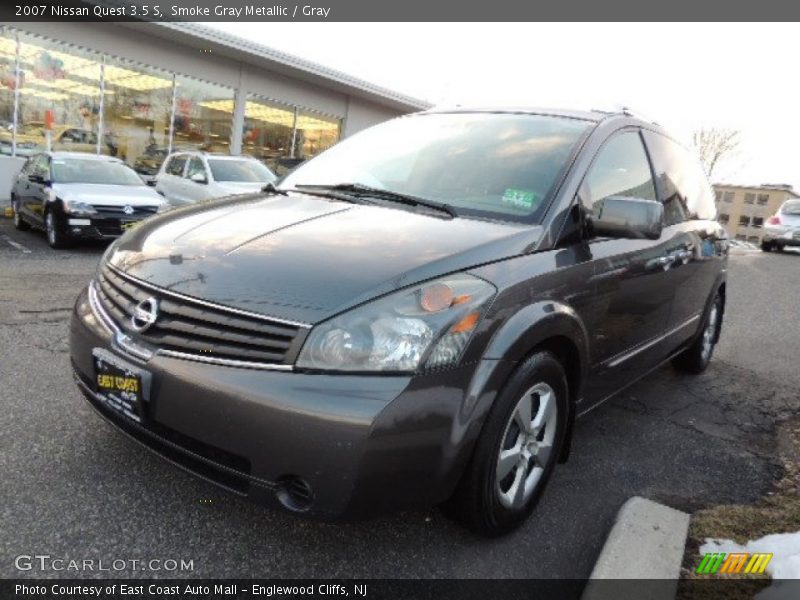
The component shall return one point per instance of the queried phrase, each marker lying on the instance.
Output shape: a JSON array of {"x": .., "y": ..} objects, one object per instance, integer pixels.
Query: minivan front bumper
[{"x": 364, "y": 444}]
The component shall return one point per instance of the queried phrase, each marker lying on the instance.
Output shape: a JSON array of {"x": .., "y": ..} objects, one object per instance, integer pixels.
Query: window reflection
[
  {"x": 267, "y": 132},
  {"x": 144, "y": 112},
  {"x": 8, "y": 49},
  {"x": 59, "y": 97},
  {"x": 203, "y": 115},
  {"x": 315, "y": 133},
  {"x": 136, "y": 111}
]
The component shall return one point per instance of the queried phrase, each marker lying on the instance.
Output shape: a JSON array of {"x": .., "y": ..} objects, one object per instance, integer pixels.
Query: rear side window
[
  {"x": 683, "y": 186},
  {"x": 621, "y": 170},
  {"x": 175, "y": 165}
]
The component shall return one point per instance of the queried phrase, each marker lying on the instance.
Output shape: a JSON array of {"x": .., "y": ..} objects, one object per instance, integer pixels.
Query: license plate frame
[{"x": 127, "y": 392}]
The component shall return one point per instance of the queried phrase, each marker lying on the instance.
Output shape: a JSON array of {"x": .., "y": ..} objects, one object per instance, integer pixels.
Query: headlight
[
  {"x": 427, "y": 325},
  {"x": 78, "y": 208}
]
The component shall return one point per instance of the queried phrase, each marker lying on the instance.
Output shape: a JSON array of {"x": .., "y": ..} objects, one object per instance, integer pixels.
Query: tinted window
[
  {"x": 240, "y": 170},
  {"x": 83, "y": 170},
  {"x": 493, "y": 165},
  {"x": 621, "y": 169},
  {"x": 195, "y": 167},
  {"x": 684, "y": 188},
  {"x": 175, "y": 165}
]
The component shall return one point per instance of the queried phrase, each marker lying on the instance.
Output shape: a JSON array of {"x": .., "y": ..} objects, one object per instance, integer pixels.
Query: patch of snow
[{"x": 785, "y": 563}]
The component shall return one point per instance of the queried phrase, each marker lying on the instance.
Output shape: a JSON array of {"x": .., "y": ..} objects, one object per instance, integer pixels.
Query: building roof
[
  {"x": 237, "y": 48},
  {"x": 765, "y": 187}
]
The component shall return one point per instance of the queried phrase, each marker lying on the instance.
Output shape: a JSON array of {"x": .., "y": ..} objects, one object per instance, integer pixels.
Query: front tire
[
  {"x": 19, "y": 222},
  {"x": 766, "y": 246},
  {"x": 517, "y": 450},
  {"x": 696, "y": 357},
  {"x": 54, "y": 230}
]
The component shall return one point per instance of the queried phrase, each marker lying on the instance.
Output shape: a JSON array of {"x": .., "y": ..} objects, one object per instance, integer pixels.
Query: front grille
[
  {"x": 107, "y": 226},
  {"x": 138, "y": 211},
  {"x": 192, "y": 327}
]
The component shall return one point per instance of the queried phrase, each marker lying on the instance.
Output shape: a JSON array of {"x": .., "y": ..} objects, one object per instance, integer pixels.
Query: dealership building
[{"x": 140, "y": 90}]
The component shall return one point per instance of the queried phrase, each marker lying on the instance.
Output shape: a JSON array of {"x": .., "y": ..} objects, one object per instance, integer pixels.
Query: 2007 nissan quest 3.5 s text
[{"x": 414, "y": 317}]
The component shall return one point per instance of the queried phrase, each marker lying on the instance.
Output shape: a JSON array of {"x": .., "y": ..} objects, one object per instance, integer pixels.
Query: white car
[
  {"x": 188, "y": 177},
  {"x": 783, "y": 228}
]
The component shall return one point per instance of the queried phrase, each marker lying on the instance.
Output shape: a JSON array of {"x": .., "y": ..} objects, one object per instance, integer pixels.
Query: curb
[{"x": 647, "y": 541}]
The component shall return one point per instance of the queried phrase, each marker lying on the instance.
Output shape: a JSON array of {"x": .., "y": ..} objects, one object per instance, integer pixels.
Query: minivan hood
[
  {"x": 109, "y": 195},
  {"x": 305, "y": 258},
  {"x": 240, "y": 187}
]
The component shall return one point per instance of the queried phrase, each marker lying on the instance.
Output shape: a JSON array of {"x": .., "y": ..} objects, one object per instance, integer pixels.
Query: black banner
[
  {"x": 390, "y": 589},
  {"x": 396, "y": 11}
]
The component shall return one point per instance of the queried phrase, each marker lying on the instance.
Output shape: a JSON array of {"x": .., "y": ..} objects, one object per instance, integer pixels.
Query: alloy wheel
[
  {"x": 50, "y": 228},
  {"x": 527, "y": 446}
]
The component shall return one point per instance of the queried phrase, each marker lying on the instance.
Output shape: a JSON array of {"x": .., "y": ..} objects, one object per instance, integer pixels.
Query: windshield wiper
[
  {"x": 270, "y": 187},
  {"x": 364, "y": 190}
]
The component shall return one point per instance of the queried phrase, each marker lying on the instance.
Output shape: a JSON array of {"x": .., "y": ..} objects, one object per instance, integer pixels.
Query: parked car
[
  {"x": 32, "y": 139},
  {"x": 783, "y": 228},
  {"x": 414, "y": 317},
  {"x": 188, "y": 177},
  {"x": 75, "y": 196}
]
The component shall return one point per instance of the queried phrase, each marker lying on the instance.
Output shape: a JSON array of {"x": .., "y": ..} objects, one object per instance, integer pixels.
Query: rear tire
[
  {"x": 696, "y": 357},
  {"x": 54, "y": 230},
  {"x": 515, "y": 455},
  {"x": 19, "y": 222}
]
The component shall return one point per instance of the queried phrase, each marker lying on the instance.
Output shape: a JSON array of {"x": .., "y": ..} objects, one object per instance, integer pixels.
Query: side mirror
[
  {"x": 198, "y": 178},
  {"x": 620, "y": 217}
]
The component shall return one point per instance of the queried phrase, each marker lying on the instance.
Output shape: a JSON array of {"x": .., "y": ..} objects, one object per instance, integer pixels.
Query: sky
[{"x": 683, "y": 76}]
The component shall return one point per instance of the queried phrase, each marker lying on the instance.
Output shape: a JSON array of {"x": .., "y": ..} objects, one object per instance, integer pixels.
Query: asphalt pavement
[{"x": 74, "y": 488}]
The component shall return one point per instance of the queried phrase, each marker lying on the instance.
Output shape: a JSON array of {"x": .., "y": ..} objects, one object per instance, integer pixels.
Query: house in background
[{"x": 743, "y": 209}]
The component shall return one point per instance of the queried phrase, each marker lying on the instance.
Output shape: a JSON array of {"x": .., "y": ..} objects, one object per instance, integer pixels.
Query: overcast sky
[{"x": 741, "y": 76}]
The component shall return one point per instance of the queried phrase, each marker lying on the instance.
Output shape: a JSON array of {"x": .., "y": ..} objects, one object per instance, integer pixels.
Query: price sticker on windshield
[{"x": 520, "y": 198}]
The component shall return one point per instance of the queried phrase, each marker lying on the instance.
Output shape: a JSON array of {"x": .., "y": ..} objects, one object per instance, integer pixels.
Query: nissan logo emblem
[{"x": 144, "y": 314}]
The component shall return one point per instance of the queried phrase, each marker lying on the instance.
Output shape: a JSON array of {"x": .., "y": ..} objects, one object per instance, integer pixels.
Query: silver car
[
  {"x": 783, "y": 228},
  {"x": 71, "y": 195}
]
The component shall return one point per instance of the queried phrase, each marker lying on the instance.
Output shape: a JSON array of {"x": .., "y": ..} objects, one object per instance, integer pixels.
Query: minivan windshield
[
  {"x": 87, "y": 170},
  {"x": 493, "y": 165},
  {"x": 250, "y": 171}
]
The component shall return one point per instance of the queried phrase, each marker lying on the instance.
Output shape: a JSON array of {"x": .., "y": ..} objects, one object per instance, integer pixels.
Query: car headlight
[
  {"x": 78, "y": 208},
  {"x": 426, "y": 325}
]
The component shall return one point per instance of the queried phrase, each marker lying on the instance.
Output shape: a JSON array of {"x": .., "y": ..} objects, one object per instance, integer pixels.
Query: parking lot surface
[{"x": 74, "y": 488}]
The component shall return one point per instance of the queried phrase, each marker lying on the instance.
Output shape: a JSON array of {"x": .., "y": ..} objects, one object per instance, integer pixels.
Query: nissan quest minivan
[{"x": 415, "y": 317}]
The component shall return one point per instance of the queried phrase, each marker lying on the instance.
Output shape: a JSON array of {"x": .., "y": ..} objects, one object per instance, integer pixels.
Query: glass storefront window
[
  {"x": 136, "y": 113},
  {"x": 315, "y": 133},
  {"x": 203, "y": 115},
  {"x": 267, "y": 132},
  {"x": 8, "y": 52},
  {"x": 59, "y": 97}
]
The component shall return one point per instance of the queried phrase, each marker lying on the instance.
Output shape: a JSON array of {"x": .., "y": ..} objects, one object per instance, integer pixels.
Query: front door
[{"x": 632, "y": 294}]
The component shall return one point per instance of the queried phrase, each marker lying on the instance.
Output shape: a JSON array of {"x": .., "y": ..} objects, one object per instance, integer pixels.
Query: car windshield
[
  {"x": 87, "y": 170},
  {"x": 494, "y": 165},
  {"x": 249, "y": 171},
  {"x": 791, "y": 208}
]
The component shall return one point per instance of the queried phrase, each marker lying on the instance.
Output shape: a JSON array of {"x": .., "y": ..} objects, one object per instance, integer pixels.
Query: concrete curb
[{"x": 647, "y": 541}]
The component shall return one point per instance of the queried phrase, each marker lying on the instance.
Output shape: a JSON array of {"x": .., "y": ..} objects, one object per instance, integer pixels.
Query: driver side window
[
  {"x": 621, "y": 169},
  {"x": 196, "y": 167}
]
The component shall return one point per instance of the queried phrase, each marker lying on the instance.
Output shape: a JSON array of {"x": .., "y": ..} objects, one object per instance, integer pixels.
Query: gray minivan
[{"x": 414, "y": 317}]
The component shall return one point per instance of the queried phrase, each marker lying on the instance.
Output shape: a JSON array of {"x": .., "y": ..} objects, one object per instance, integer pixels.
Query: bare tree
[{"x": 714, "y": 146}]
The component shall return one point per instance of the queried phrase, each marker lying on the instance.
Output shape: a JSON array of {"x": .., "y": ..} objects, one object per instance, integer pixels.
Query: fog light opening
[{"x": 295, "y": 493}]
